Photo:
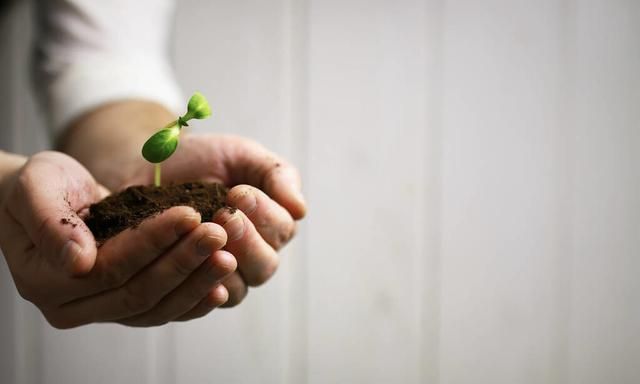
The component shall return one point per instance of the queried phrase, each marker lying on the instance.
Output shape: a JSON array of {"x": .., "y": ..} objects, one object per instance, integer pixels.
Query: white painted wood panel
[
  {"x": 503, "y": 181},
  {"x": 366, "y": 116},
  {"x": 605, "y": 304},
  {"x": 96, "y": 354},
  {"x": 244, "y": 71}
]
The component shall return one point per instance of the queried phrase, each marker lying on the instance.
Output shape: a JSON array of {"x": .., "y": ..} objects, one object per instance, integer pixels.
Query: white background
[{"x": 473, "y": 174}]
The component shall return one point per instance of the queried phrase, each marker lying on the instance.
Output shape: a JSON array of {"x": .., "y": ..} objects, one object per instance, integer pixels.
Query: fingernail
[
  {"x": 218, "y": 296},
  {"x": 297, "y": 194},
  {"x": 247, "y": 203},
  {"x": 207, "y": 244},
  {"x": 292, "y": 181},
  {"x": 187, "y": 223},
  {"x": 70, "y": 253},
  {"x": 234, "y": 228}
]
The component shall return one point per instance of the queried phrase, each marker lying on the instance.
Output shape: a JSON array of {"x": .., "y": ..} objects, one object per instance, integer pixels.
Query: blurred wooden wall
[{"x": 473, "y": 173}]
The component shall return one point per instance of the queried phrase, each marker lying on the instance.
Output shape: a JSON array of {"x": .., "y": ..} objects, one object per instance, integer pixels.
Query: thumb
[
  {"x": 68, "y": 244},
  {"x": 48, "y": 193}
]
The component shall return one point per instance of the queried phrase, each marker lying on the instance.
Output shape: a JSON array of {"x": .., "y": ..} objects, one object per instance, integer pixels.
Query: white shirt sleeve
[{"x": 91, "y": 52}]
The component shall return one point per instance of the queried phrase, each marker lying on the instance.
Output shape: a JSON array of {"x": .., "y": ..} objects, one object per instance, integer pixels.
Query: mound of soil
[{"x": 127, "y": 209}]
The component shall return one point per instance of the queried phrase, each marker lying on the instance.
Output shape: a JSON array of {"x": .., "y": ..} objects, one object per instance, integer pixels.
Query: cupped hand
[
  {"x": 169, "y": 268},
  {"x": 265, "y": 188}
]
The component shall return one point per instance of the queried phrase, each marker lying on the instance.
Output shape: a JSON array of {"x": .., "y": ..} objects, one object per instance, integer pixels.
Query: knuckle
[
  {"x": 112, "y": 277},
  {"x": 293, "y": 230},
  {"x": 154, "y": 242},
  {"x": 24, "y": 181},
  {"x": 284, "y": 235},
  {"x": 180, "y": 266}
]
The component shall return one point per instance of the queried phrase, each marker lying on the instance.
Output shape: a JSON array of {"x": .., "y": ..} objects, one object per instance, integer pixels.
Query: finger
[
  {"x": 236, "y": 160},
  {"x": 282, "y": 183},
  {"x": 200, "y": 286},
  {"x": 212, "y": 301},
  {"x": 146, "y": 289},
  {"x": 120, "y": 258},
  {"x": 45, "y": 201},
  {"x": 257, "y": 261},
  {"x": 127, "y": 253},
  {"x": 251, "y": 163},
  {"x": 237, "y": 289},
  {"x": 272, "y": 221},
  {"x": 33, "y": 277}
]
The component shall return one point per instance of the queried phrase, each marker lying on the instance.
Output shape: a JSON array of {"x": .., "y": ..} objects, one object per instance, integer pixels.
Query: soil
[{"x": 127, "y": 209}]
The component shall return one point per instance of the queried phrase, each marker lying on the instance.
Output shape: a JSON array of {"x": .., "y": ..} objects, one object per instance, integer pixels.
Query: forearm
[{"x": 107, "y": 140}]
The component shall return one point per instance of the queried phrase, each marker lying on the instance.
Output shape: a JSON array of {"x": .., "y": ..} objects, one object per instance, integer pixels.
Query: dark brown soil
[{"x": 127, "y": 209}]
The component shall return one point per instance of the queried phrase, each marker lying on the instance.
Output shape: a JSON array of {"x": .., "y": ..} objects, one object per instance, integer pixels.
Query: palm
[
  {"x": 264, "y": 188},
  {"x": 138, "y": 277},
  {"x": 42, "y": 214},
  {"x": 230, "y": 160},
  {"x": 201, "y": 157}
]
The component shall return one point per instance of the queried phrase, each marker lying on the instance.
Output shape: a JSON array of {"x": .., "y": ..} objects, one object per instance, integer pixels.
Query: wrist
[{"x": 108, "y": 140}]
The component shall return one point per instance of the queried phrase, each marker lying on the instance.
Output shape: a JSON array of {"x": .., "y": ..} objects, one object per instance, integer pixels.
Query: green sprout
[{"x": 164, "y": 143}]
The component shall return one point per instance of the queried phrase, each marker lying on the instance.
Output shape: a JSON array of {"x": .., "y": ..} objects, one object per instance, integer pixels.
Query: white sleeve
[{"x": 91, "y": 52}]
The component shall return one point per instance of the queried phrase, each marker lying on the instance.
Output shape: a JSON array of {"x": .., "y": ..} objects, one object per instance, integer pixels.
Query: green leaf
[
  {"x": 161, "y": 145},
  {"x": 198, "y": 107}
]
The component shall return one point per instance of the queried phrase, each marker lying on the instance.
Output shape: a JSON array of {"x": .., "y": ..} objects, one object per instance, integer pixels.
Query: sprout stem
[
  {"x": 162, "y": 144},
  {"x": 157, "y": 174}
]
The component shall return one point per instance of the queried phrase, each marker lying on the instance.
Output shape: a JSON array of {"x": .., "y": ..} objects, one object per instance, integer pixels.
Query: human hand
[
  {"x": 169, "y": 268},
  {"x": 264, "y": 188},
  {"x": 118, "y": 130}
]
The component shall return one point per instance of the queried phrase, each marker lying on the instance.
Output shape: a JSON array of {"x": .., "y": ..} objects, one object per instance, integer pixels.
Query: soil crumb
[
  {"x": 66, "y": 221},
  {"x": 127, "y": 209}
]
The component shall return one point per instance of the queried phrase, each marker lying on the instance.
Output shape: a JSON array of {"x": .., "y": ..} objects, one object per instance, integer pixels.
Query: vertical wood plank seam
[
  {"x": 564, "y": 182},
  {"x": 296, "y": 115},
  {"x": 432, "y": 209}
]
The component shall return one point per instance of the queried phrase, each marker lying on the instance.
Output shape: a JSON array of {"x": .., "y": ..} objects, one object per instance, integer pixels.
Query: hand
[
  {"x": 169, "y": 268},
  {"x": 118, "y": 130},
  {"x": 265, "y": 189}
]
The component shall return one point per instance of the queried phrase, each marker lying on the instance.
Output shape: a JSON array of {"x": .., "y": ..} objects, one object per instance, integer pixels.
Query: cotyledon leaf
[{"x": 161, "y": 145}]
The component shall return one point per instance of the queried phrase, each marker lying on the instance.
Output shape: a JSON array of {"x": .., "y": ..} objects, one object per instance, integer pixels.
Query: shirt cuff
[{"x": 89, "y": 83}]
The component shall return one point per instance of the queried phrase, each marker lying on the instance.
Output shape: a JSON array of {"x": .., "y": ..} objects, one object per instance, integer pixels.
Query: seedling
[{"x": 164, "y": 143}]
